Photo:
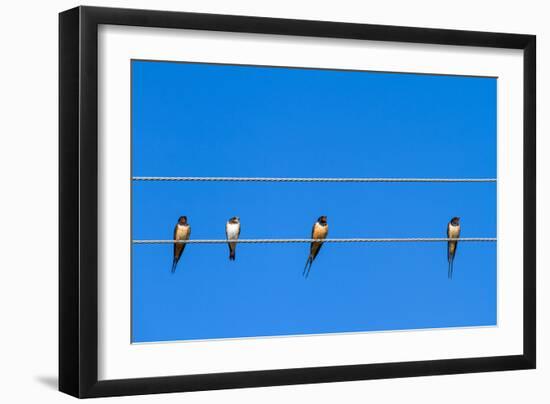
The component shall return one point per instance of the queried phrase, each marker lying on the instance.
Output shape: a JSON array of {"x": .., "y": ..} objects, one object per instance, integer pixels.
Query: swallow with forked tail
[
  {"x": 182, "y": 231},
  {"x": 232, "y": 232},
  {"x": 319, "y": 232},
  {"x": 453, "y": 231}
]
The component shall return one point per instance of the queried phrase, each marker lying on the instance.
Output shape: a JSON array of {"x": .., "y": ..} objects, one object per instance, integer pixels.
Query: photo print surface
[{"x": 212, "y": 125}]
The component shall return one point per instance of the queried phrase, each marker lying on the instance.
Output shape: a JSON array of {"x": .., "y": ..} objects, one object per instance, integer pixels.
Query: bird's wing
[{"x": 227, "y": 230}]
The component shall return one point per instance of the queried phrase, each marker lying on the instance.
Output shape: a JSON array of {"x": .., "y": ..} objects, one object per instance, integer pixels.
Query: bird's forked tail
[
  {"x": 309, "y": 262},
  {"x": 450, "y": 270},
  {"x": 174, "y": 263}
]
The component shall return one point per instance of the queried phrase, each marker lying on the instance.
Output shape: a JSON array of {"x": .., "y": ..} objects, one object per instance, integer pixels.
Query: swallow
[
  {"x": 182, "y": 231},
  {"x": 319, "y": 232},
  {"x": 232, "y": 232},
  {"x": 453, "y": 231}
]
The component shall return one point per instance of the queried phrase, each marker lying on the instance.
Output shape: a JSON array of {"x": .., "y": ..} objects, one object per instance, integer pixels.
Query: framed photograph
[{"x": 251, "y": 201}]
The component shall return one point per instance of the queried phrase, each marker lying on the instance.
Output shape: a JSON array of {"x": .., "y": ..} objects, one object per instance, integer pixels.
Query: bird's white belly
[
  {"x": 232, "y": 231},
  {"x": 454, "y": 231},
  {"x": 182, "y": 232}
]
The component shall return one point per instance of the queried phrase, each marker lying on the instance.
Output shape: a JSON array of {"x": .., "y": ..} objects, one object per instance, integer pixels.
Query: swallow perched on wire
[
  {"x": 182, "y": 231},
  {"x": 232, "y": 232},
  {"x": 319, "y": 232},
  {"x": 453, "y": 231}
]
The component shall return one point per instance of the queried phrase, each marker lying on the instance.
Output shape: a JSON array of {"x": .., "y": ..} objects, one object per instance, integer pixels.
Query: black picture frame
[{"x": 78, "y": 201}]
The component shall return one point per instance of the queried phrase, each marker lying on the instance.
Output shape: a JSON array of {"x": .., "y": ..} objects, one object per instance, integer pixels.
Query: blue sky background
[{"x": 221, "y": 120}]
